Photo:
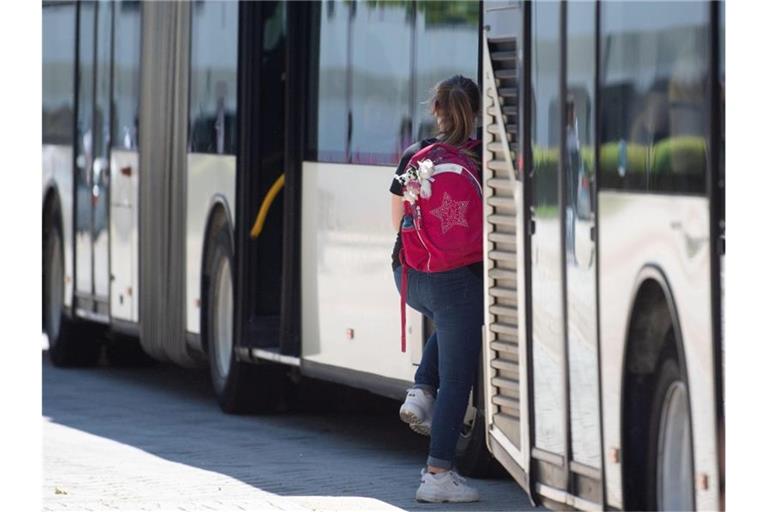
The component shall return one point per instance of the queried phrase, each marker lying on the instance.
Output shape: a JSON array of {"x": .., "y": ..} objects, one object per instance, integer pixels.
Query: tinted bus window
[
  {"x": 126, "y": 63},
  {"x": 446, "y": 45},
  {"x": 546, "y": 245},
  {"x": 58, "y": 73},
  {"x": 578, "y": 166},
  {"x": 380, "y": 55},
  {"x": 376, "y": 63},
  {"x": 653, "y": 88},
  {"x": 213, "y": 78},
  {"x": 331, "y": 89},
  {"x": 103, "y": 120}
]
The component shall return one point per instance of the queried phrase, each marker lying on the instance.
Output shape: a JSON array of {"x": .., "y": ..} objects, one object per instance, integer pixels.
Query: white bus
[
  {"x": 604, "y": 160},
  {"x": 168, "y": 127}
]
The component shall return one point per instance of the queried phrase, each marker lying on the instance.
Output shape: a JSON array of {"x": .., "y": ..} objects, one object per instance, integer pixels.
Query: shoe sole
[
  {"x": 415, "y": 423},
  {"x": 420, "y": 428}
]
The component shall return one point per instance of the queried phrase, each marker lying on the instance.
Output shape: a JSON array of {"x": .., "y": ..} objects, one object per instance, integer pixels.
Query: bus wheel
[
  {"x": 670, "y": 475},
  {"x": 239, "y": 386},
  {"x": 69, "y": 343}
]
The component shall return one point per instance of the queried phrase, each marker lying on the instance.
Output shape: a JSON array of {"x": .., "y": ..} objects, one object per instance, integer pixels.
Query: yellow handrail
[{"x": 258, "y": 225}]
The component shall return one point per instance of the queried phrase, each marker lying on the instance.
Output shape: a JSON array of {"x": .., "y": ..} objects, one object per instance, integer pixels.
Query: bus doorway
[{"x": 260, "y": 171}]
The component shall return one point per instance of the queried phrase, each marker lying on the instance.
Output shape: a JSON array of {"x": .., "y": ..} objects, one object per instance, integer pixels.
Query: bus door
[
  {"x": 566, "y": 446},
  {"x": 92, "y": 160},
  {"x": 541, "y": 357},
  {"x": 505, "y": 355},
  {"x": 263, "y": 178}
]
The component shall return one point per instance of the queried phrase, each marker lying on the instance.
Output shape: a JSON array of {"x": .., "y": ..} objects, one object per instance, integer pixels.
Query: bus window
[
  {"x": 125, "y": 122},
  {"x": 580, "y": 222},
  {"x": 446, "y": 44},
  {"x": 380, "y": 93},
  {"x": 58, "y": 73},
  {"x": 654, "y": 108},
  {"x": 376, "y": 63},
  {"x": 331, "y": 87},
  {"x": 546, "y": 247},
  {"x": 213, "y": 78}
]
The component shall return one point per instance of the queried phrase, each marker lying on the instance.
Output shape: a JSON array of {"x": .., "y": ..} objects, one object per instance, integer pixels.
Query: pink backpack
[{"x": 442, "y": 226}]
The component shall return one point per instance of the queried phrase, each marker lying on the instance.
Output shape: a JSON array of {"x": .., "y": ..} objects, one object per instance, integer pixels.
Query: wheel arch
[
  {"x": 219, "y": 216},
  {"x": 653, "y": 319}
]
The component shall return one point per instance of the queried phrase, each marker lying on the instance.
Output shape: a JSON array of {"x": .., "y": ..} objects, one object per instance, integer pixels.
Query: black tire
[
  {"x": 472, "y": 456},
  {"x": 70, "y": 343},
  {"x": 240, "y": 387},
  {"x": 668, "y": 380}
]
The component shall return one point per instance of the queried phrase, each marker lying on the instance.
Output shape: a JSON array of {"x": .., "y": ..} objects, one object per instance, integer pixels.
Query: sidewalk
[
  {"x": 87, "y": 472},
  {"x": 155, "y": 439}
]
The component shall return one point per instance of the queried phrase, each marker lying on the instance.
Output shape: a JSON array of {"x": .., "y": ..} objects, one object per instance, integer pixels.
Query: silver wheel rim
[
  {"x": 674, "y": 475},
  {"x": 222, "y": 318},
  {"x": 55, "y": 290}
]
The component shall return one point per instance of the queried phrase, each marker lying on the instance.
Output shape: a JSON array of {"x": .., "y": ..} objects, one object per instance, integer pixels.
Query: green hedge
[{"x": 679, "y": 155}]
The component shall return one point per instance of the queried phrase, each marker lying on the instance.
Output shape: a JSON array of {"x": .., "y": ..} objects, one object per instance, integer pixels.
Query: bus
[
  {"x": 215, "y": 186},
  {"x": 215, "y": 178},
  {"x": 605, "y": 227}
]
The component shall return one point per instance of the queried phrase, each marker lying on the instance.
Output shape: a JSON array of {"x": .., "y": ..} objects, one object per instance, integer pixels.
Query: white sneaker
[
  {"x": 417, "y": 411},
  {"x": 447, "y": 487}
]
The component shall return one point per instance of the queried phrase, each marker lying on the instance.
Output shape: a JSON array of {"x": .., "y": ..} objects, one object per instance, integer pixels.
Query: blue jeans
[{"x": 453, "y": 300}]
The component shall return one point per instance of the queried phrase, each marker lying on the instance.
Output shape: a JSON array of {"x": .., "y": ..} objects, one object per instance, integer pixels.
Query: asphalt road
[{"x": 154, "y": 438}]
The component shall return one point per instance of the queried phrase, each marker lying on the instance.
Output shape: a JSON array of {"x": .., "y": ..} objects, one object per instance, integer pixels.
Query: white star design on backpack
[{"x": 451, "y": 213}]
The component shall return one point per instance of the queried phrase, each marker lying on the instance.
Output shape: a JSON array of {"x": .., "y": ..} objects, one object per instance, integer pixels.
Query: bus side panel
[
  {"x": 57, "y": 173},
  {"x": 124, "y": 235},
  {"x": 210, "y": 178},
  {"x": 350, "y": 305},
  {"x": 671, "y": 233}
]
